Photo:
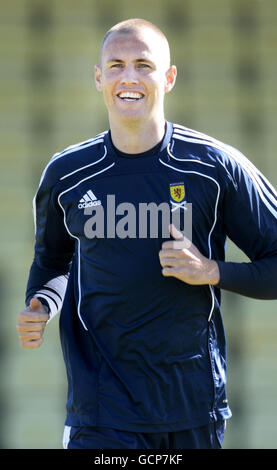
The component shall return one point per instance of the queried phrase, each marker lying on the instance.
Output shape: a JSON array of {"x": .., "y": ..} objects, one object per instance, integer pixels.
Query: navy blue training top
[{"x": 144, "y": 352}]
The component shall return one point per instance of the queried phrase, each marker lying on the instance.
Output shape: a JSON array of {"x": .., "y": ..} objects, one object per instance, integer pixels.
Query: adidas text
[{"x": 84, "y": 205}]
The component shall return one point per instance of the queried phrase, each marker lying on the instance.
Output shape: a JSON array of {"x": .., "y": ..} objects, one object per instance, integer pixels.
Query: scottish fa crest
[
  {"x": 177, "y": 191},
  {"x": 177, "y": 196}
]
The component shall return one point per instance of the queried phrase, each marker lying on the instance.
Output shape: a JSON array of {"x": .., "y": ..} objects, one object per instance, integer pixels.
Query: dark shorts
[{"x": 205, "y": 437}]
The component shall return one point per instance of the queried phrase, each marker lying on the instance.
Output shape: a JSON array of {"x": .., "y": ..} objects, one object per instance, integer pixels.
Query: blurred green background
[{"x": 226, "y": 52}]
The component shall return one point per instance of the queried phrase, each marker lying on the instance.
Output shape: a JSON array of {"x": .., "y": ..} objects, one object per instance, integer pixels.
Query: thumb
[
  {"x": 175, "y": 233},
  {"x": 35, "y": 304},
  {"x": 179, "y": 237}
]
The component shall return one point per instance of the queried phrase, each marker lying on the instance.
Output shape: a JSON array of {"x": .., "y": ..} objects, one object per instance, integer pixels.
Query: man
[{"x": 140, "y": 325}]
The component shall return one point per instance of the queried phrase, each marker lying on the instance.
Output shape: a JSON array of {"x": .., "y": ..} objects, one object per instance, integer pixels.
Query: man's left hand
[{"x": 181, "y": 259}]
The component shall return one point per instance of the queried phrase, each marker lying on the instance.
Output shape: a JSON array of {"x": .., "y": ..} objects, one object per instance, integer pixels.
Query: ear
[
  {"x": 171, "y": 75},
  {"x": 98, "y": 77}
]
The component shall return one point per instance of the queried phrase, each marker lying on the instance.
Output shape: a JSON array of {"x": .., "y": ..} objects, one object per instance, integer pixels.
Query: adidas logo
[{"x": 88, "y": 200}]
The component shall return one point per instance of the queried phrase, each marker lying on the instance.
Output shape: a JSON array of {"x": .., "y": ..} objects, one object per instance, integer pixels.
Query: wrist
[{"x": 213, "y": 273}]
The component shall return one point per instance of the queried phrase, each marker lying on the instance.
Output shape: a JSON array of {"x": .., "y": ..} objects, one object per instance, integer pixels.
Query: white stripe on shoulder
[
  {"x": 266, "y": 191},
  {"x": 76, "y": 147},
  {"x": 73, "y": 148},
  {"x": 187, "y": 130},
  {"x": 84, "y": 142},
  {"x": 227, "y": 148},
  {"x": 86, "y": 166},
  {"x": 192, "y": 160},
  {"x": 236, "y": 155}
]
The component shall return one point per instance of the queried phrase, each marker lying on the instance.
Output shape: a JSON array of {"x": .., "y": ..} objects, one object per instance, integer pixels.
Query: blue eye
[{"x": 116, "y": 66}]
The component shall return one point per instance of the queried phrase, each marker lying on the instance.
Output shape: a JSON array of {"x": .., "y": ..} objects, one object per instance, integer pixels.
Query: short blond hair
[{"x": 135, "y": 25}]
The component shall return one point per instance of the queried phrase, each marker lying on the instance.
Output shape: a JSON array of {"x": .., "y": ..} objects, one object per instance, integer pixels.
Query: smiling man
[
  {"x": 134, "y": 74},
  {"x": 141, "y": 327}
]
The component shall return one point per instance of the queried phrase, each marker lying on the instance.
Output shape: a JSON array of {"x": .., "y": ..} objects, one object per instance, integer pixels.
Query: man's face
[{"x": 134, "y": 76}]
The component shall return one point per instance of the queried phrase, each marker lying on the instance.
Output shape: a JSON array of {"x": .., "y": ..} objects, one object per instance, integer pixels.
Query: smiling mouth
[{"x": 130, "y": 97}]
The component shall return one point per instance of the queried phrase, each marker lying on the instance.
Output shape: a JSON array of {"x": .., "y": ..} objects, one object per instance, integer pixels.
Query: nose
[{"x": 129, "y": 76}]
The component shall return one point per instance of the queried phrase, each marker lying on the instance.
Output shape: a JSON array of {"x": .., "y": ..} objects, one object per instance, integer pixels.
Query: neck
[{"x": 137, "y": 138}]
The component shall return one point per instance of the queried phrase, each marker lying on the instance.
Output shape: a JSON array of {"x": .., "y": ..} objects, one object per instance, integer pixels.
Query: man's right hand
[{"x": 31, "y": 324}]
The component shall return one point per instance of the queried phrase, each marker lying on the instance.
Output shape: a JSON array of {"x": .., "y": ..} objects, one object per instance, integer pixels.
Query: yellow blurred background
[{"x": 226, "y": 55}]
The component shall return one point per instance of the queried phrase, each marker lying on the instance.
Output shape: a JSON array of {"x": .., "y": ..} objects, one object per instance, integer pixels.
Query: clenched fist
[
  {"x": 31, "y": 324},
  {"x": 181, "y": 259}
]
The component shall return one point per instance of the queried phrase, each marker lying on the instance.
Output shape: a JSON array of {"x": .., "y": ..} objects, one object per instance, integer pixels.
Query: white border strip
[
  {"x": 53, "y": 308},
  {"x": 56, "y": 156},
  {"x": 187, "y": 159},
  {"x": 81, "y": 144},
  {"x": 74, "y": 148},
  {"x": 76, "y": 238},
  {"x": 66, "y": 436},
  {"x": 259, "y": 180},
  {"x": 214, "y": 223},
  {"x": 86, "y": 166}
]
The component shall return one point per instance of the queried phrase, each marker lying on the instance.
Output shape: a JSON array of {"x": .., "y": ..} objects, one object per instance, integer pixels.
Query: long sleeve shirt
[{"x": 144, "y": 352}]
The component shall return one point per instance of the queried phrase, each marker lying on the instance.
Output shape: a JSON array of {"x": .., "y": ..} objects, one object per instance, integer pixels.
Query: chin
[{"x": 131, "y": 116}]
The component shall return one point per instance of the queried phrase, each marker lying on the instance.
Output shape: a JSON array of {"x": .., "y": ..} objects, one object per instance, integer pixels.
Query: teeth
[{"x": 130, "y": 95}]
